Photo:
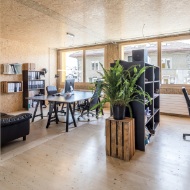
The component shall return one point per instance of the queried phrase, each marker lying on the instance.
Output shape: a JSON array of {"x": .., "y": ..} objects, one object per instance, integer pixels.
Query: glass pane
[
  {"x": 93, "y": 58},
  {"x": 72, "y": 65},
  {"x": 175, "y": 62},
  {"x": 150, "y": 47}
]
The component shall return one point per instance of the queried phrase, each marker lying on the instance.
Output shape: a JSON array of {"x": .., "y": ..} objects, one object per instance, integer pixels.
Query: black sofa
[{"x": 14, "y": 126}]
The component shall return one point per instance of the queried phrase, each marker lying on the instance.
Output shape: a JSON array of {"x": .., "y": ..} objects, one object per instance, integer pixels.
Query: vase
[{"x": 118, "y": 112}]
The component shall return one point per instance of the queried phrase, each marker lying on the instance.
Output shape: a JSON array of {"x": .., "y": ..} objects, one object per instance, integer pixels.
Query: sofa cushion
[{"x": 10, "y": 120}]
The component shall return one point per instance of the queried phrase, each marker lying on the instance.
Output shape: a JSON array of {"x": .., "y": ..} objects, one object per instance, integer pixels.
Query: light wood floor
[{"x": 51, "y": 159}]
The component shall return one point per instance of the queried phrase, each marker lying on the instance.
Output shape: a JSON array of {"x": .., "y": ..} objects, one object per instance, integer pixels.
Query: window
[
  {"x": 175, "y": 62},
  {"x": 83, "y": 65},
  {"x": 93, "y": 58},
  {"x": 151, "y": 48},
  {"x": 72, "y": 65}
]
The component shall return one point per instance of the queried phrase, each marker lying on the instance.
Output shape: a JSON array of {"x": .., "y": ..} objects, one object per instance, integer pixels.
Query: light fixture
[{"x": 70, "y": 35}]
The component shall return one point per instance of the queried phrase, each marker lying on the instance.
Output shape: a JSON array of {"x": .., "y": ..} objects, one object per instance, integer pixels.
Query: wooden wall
[{"x": 18, "y": 52}]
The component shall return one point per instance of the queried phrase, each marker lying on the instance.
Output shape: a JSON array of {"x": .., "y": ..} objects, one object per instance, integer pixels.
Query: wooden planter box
[{"x": 120, "y": 138}]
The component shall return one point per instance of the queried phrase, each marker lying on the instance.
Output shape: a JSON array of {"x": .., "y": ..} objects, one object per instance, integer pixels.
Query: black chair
[
  {"x": 86, "y": 107},
  {"x": 51, "y": 90},
  {"x": 188, "y": 106}
]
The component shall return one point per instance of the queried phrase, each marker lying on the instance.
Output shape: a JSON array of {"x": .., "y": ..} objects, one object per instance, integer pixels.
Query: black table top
[{"x": 77, "y": 96}]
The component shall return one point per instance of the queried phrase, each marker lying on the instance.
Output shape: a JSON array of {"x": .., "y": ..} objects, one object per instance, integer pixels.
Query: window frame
[
  {"x": 81, "y": 85},
  {"x": 159, "y": 40}
]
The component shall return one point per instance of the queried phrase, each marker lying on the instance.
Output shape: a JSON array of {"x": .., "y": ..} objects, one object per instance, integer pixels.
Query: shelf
[
  {"x": 156, "y": 125},
  {"x": 33, "y": 83},
  {"x": 148, "y": 82},
  {"x": 36, "y": 80},
  {"x": 31, "y": 89},
  {"x": 12, "y": 69},
  {"x": 156, "y": 95},
  {"x": 156, "y": 110},
  {"x": 11, "y": 86},
  {"x": 148, "y": 119}
]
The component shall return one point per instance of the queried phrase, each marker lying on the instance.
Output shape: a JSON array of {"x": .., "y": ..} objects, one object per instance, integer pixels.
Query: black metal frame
[
  {"x": 53, "y": 109},
  {"x": 188, "y": 107}
]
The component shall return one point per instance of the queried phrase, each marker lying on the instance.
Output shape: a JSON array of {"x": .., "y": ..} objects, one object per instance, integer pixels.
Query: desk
[{"x": 77, "y": 96}]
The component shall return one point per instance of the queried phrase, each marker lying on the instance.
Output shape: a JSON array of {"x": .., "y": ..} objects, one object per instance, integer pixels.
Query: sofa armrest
[{"x": 15, "y": 119}]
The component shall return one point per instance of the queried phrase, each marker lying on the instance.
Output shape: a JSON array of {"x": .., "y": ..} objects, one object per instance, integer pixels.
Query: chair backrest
[
  {"x": 95, "y": 97},
  {"x": 51, "y": 90},
  {"x": 186, "y": 98}
]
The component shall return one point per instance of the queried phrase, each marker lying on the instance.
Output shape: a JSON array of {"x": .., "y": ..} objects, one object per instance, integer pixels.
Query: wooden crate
[{"x": 120, "y": 138}]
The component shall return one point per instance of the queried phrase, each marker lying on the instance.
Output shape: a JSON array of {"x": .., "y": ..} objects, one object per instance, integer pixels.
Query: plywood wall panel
[{"x": 18, "y": 52}]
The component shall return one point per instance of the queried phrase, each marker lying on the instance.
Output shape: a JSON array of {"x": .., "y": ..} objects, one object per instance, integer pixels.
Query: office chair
[
  {"x": 188, "y": 106},
  {"x": 53, "y": 90},
  {"x": 86, "y": 107}
]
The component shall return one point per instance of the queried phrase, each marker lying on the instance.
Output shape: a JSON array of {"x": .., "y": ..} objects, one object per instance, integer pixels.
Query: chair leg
[
  {"x": 24, "y": 138},
  {"x": 184, "y": 135}
]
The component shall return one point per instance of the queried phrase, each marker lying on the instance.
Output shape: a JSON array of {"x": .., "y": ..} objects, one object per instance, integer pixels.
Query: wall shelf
[
  {"x": 11, "y": 86},
  {"x": 12, "y": 69}
]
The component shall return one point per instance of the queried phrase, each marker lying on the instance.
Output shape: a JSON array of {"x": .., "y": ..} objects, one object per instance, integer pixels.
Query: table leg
[
  {"x": 51, "y": 107},
  {"x": 41, "y": 110},
  {"x": 67, "y": 118},
  {"x": 56, "y": 110},
  {"x": 34, "y": 115},
  {"x": 72, "y": 114}
]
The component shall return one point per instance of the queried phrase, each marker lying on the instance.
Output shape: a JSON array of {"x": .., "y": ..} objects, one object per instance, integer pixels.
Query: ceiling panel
[{"x": 46, "y": 22}]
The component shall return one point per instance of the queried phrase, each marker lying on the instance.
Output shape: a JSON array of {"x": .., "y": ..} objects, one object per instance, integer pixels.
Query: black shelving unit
[
  {"x": 32, "y": 82},
  {"x": 149, "y": 82}
]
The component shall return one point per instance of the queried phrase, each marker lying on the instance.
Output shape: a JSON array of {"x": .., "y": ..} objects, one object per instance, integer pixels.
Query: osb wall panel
[
  {"x": 112, "y": 54},
  {"x": 18, "y": 52}
]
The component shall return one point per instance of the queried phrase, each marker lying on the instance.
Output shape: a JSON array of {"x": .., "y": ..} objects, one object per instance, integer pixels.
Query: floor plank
[{"x": 52, "y": 159}]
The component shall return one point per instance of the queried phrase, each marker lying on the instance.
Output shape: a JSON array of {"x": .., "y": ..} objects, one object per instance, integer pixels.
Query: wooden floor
[{"x": 51, "y": 159}]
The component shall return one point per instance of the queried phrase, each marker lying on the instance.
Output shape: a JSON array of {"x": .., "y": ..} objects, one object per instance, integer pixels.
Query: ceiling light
[{"x": 71, "y": 35}]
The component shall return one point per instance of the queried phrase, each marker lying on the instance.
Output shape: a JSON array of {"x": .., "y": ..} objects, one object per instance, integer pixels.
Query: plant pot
[{"x": 118, "y": 112}]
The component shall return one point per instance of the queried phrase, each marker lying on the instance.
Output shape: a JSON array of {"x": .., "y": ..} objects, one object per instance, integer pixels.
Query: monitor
[{"x": 69, "y": 86}]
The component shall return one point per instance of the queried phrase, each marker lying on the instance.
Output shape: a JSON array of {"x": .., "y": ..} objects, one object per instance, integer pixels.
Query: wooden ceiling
[{"x": 46, "y": 22}]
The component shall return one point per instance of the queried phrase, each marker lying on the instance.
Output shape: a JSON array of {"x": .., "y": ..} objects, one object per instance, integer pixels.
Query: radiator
[{"x": 173, "y": 103}]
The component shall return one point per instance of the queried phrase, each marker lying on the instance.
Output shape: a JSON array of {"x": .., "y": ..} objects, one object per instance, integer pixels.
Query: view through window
[
  {"x": 72, "y": 65},
  {"x": 175, "y": 62},
  {"x": 93, "y": 58},
  {"x": 150, "y": 47}
]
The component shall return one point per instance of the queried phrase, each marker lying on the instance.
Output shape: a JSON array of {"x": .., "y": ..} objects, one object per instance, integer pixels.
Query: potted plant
[{"x": 120, "y": 88}]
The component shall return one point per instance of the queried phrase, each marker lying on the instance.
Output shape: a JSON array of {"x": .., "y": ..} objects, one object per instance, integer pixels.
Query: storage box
[
  {"x": 28, "y": 66},
  {"x": 120, "y": 138}
]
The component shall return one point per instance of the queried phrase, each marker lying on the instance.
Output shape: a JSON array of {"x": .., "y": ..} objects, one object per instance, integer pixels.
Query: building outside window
[
  {"x": 151, "y": 48},
  {"x": 93, "y": 58},
  {"x": 175, "y": 62},
  {"x": 72, "y": 65}
]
